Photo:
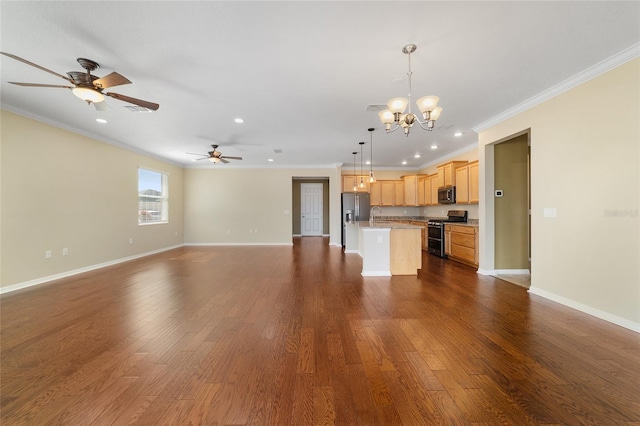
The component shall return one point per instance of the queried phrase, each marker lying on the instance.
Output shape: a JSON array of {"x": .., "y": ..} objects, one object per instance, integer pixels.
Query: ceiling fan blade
[
  {"x": 193, "y": 153},
  {"x": 101, "y": 106},
  {"x": 113, "y": 79},
  {"x": 40, "y": 85},
  {"x": 232, "y": 158},
  {"x": 139, "y": 102},
  {"x": 223, "y": 160},
  {"x": 17, "y": 58}
]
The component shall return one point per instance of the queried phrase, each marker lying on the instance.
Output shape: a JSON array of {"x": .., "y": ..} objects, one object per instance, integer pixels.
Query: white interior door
[{"x": 311, "y": 208}]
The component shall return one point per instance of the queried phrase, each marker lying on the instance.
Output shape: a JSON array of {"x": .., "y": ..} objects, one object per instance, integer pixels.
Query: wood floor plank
[{"x": 296, "y": 335}]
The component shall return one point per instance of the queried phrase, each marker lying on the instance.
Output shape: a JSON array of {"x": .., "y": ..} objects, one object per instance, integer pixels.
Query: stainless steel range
[{"x": 435, "y": 231}]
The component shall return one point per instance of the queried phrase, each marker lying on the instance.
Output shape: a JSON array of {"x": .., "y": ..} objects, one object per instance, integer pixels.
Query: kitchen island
[{"x": 386, "y": 248}]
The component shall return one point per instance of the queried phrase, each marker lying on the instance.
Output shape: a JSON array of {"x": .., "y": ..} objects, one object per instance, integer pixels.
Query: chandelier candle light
[
  {"x": 395, "y": 114},
  {"x": 371, "y": 177}
]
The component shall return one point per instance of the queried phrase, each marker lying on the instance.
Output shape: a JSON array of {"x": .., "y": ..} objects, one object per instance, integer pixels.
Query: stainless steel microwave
[{"x": 447, "y": 195}]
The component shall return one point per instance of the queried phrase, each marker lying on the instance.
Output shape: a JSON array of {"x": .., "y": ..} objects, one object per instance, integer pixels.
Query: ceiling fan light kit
[
  {"x": 86, "y": 86},
  {"x": 215, "y": 156},
  {"x": 395, "y": 114},
  {"x": 89, "y": 95}
]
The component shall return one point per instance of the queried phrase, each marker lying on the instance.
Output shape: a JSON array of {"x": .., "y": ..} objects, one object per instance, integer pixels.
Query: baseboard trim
[
  {"x": 486, "y": 271},
  {"x": 38, "y": 281},
  {"x": 511, "y": 272},
  {"x": 235, "y": 244},
  {"x": 622, "y": 322}
]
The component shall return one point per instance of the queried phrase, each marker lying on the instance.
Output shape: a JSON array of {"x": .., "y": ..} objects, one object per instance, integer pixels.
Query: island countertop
[{"x": 384, "y": 225}]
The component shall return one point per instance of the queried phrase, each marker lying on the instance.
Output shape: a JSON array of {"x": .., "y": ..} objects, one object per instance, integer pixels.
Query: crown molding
[{"x": 602, "y": 67}]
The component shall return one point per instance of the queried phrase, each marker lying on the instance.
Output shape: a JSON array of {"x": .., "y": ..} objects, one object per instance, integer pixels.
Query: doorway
[
  {"x": 311, "y": 209},
  {"x": 512, "y": 209}
]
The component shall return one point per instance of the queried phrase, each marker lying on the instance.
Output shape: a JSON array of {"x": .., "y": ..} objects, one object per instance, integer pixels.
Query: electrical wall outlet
[
  {"x": 65, "y": 251},
  {"x": 130, "y": 240},
  {"x": 48, "y": 254}
]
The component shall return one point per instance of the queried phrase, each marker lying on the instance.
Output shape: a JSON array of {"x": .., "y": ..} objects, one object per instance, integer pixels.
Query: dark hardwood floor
[{"x": 296, "y": 336}]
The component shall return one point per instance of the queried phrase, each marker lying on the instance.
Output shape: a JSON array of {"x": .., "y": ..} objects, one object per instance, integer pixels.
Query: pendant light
[
  {"x": 371, "y": 177},
  {"x": 355, "y": 186},
  {"x": 361, "y": 179}
]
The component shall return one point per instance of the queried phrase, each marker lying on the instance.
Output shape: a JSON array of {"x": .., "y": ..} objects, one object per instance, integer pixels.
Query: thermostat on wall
[{"x": 499, "y": 192}]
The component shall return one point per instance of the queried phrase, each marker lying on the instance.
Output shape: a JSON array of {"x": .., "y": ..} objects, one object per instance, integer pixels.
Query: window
[{"x": 153, "y": 197}]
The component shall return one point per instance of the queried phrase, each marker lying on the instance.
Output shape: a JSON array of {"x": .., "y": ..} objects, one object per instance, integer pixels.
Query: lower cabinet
[{"x": 461, "y": 243}]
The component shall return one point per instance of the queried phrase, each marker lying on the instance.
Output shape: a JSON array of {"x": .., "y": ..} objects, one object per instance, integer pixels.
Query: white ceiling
[{"x": 300, "y": 74}]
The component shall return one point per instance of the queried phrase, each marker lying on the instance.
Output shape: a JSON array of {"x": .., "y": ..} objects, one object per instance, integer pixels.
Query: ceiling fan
[
  {"x": 86, "y": 86},
  {"x": 215, "y": 156}
]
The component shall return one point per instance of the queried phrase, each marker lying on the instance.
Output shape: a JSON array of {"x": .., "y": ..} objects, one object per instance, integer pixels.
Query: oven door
[{"x": 435, "y": 231}]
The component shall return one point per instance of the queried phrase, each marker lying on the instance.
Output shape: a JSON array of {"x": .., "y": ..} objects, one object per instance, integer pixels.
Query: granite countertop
[
  {"x": 383, "y": 225},
  {"x": 474, "y": 225},
  {"x": 425, "y": 219}
]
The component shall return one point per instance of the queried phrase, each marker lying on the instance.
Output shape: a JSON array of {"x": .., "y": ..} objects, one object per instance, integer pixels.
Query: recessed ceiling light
[
  {"x": 367, "y": 162},
  {"x": 101, "y": 120},
  {"x": 416, "y": 156},
  {"x": 239, "y": 120},
  {"x": 457, "y": 134},
  {"x": 270, "y": 159},
  {"x": 434, "y": 146},
  {"x": 404, "y": 163}
]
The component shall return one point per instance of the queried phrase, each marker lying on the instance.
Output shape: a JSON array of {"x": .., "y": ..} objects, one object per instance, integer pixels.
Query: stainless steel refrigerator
[{"x": 355, "y": 208}]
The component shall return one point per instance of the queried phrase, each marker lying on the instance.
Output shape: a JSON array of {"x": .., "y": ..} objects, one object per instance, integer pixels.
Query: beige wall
[
  {"x": 249, "y": 206},
  {"x": 585, "y": 162},
  {"x": 63, "y": 190}
]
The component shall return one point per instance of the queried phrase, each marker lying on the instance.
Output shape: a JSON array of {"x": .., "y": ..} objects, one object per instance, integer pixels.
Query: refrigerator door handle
[{"x": 357, "y": 209}]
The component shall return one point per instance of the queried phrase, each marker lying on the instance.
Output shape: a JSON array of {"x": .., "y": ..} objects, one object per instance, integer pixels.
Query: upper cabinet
[
  {"x": 467, "y": 183},
  {"x": 411, "y": 195},
  {"x": 474, "y": 183},
  {"x": 349, "y": 180},
  {"x": 398, "y": 192},
  {"x": 375, "y": 198},
  {"x": 447, "y": 173},
  {"x": 433, "y": 185},
  {"x": 387, "y": 193}
]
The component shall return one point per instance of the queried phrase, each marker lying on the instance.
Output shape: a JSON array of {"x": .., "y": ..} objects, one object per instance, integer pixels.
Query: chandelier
[{"x": 428, "y": 106}]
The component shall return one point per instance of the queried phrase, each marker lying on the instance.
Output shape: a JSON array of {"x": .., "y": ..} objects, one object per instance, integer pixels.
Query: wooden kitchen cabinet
[
  {"x": 348, "y": 180},
  {"x": 433, "y": 182},
  {"x": 462, "y": 243},
  {"x": 447, "y": 239},
  {"x": 387, "y": 193},
  {"x": 423, "y": 193},
  {"x": 474, "y": 183},
  {"x": 398, "y": 190},
  {"x": 411, "y": 189},
  {"x": 446, "y": 173},
  {"x": 462, "y": 185},
  {"x": 467, "y": 183},
  {"x": 375, "y": 191}
]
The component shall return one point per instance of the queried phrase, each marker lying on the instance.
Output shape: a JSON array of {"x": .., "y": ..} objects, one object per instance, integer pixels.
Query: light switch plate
[{"x": 550, "y": 212}]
